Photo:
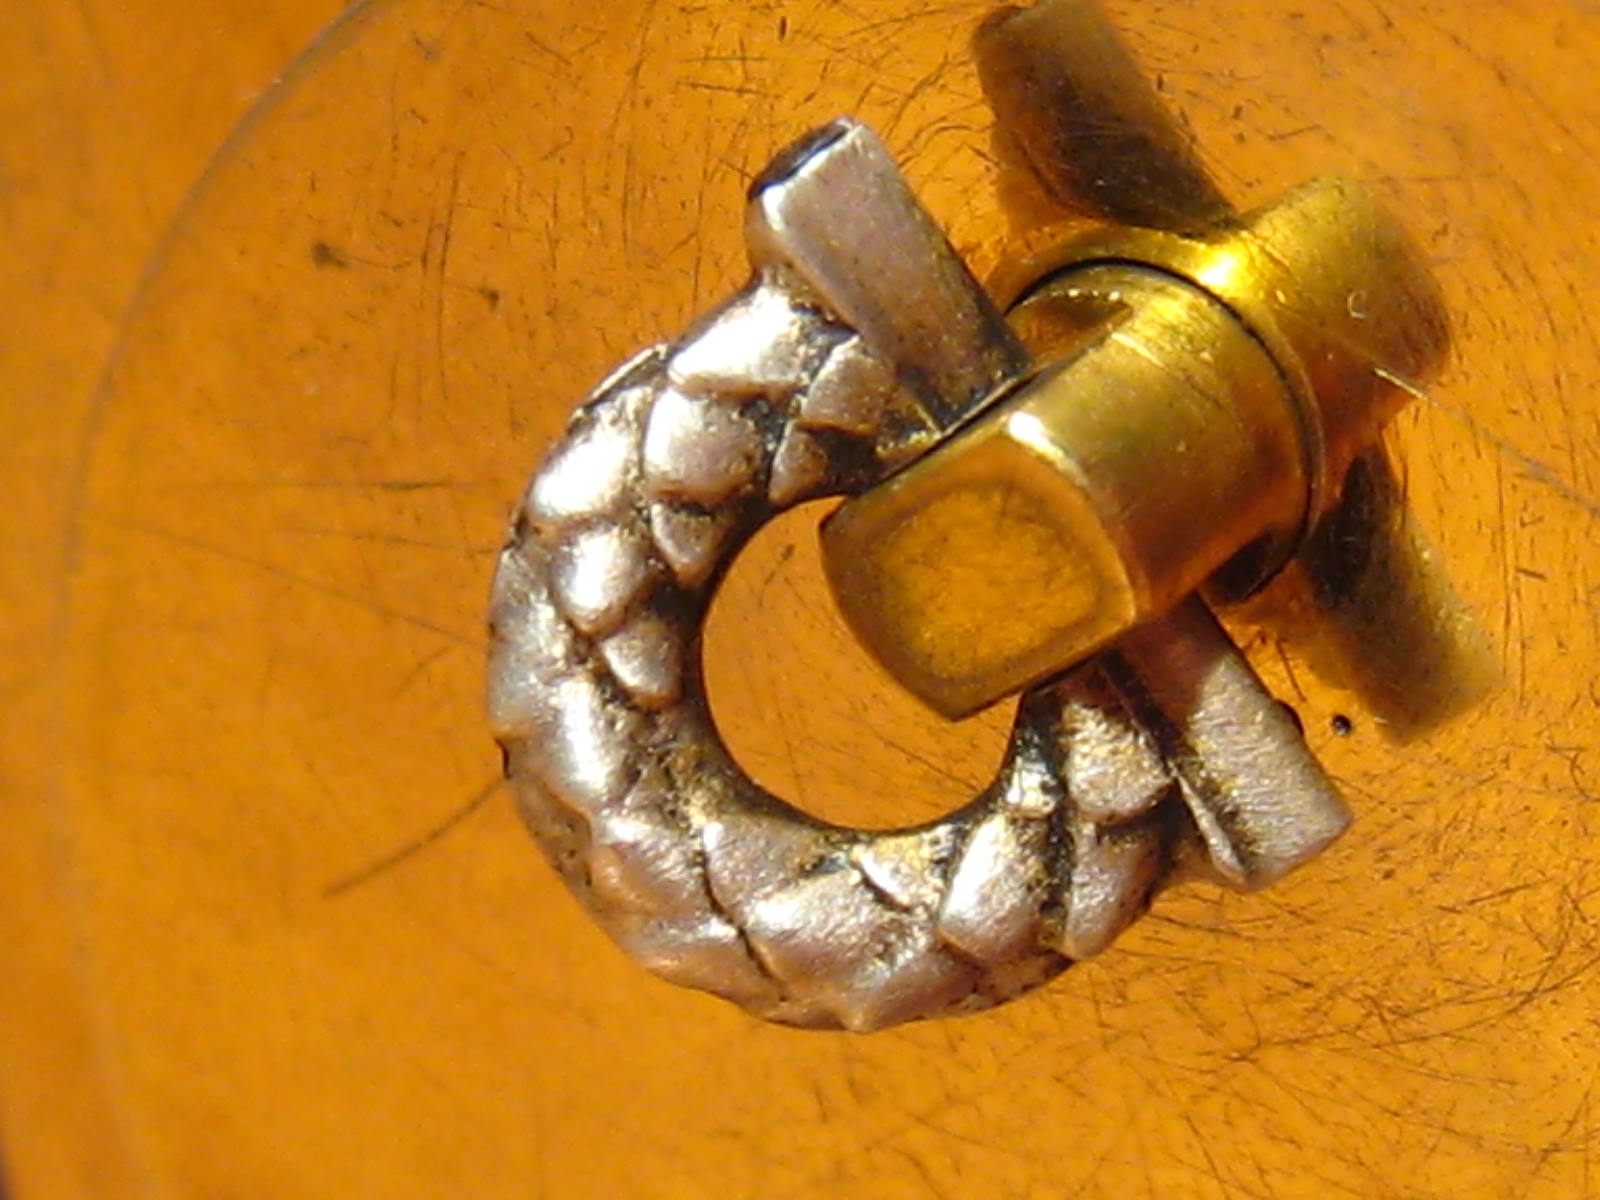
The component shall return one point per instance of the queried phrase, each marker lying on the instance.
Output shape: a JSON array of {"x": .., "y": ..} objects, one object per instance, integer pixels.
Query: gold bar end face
[{"x": 978, "y": 570}]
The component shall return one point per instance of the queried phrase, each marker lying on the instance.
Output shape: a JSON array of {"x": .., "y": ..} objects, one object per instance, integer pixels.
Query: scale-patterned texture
[{"x": 596, "y": 696}]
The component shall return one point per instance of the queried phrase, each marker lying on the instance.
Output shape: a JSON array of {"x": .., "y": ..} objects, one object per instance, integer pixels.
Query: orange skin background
[{"x": 268, "y": 927}]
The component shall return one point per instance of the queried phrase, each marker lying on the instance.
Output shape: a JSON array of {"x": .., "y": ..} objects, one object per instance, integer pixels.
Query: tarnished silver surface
[{"x": 860, "y": 341}]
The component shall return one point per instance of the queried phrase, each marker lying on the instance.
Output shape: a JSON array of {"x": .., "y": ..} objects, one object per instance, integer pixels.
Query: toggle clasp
[
  {"x": 1193, "y": 396},
  {"x": 1202, "y": 383},
  {"x": 1156, "y": 404}
]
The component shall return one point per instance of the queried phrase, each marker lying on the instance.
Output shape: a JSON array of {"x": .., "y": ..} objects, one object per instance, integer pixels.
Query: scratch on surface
[
  {"x": 326, "y": 589},
  {"x": 420, "y": 669},
  {"x": 1537, "y": 471},
  {"x": 701, "y": 85},
  {"x": 784, "y": 555},
  {"x": 930, "y": 765},
  {"x": 394, "y": 539},
  {"x": 545, "y": 47},
  {"x": 416, "y": 846},
  {"x": 1576, "y": 1137},
  {"x": 1487, "y": 897},
  {"x": 442, "y": 228}
]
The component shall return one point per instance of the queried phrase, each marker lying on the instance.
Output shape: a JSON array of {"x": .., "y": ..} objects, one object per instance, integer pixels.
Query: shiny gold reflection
[{"x": 1082, "y": 133}]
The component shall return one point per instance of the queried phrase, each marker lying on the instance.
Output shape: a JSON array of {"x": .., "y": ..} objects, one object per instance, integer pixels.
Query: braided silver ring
[{"x": 860, "y": 341}]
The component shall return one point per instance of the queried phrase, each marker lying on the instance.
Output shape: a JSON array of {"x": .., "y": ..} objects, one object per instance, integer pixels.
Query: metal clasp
[
  {"x": 1175, "y": 390},
  {"x": 1199, "y": 391}
]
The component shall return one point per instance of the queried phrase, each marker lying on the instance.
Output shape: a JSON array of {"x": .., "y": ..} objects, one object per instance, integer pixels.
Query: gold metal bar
[
  {"x": 1082, "y": 114},
  {"x": 1100, "y": 493}
]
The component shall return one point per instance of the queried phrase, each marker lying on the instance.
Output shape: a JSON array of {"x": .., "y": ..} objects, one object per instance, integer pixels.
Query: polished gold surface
[
  {"x": 1326, "y": 279},
  {"x": 1107, "y": 488},
  {"x": 1203, "y": 394},
  {"x": 259, "y": 940}
]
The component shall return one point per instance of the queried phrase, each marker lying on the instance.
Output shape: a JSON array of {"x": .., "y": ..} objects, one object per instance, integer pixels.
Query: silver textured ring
[{"x": 860, "y": 341}]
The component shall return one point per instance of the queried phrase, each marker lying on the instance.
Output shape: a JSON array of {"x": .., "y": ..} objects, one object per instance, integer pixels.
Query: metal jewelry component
[
  {"x": 823, "y": 376},
  {"x": 862, "y": 351}
]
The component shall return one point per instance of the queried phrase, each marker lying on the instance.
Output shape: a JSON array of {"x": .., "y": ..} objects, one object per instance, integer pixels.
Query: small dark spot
[
  {"x": 1341, "y": 725},
  {"x": 828, "y": 864},
  {"x": 428, "y": 50},
  {"x": 491, "y": 296},
  {"x": 325, "y": 255},
  {"x": 783, "y": 28}
]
